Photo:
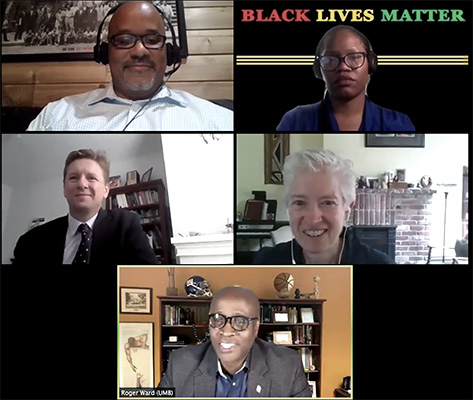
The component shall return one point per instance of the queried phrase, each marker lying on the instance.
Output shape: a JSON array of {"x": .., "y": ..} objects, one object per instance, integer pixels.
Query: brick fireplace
[{"x": 408, "y": 209}]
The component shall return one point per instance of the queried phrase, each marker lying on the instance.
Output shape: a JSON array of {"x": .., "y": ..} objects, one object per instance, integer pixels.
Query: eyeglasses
[
  {"x": 352, "y": 60},
  {"x": 237, "y": 322},
  {"x": 151, "y": 41}
]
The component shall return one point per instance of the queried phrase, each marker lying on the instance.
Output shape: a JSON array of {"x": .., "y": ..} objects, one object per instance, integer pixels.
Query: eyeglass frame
[
  {"x": 248, "y": 319},
  {"x": 137, "y": 37},
  {"x": 340, "y": 59}
]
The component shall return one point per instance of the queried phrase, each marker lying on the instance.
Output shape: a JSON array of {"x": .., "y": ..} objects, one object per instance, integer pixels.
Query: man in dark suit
[
  {"x": 88, "y": 234},
  {"x": 236, "y": 363}
]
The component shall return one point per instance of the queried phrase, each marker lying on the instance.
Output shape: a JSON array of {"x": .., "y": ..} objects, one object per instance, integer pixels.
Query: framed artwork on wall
[
  {"x": 135, "y": 300},
  {"x": 394, "y": 140},
  {"x": 136, "y": 354},
  {"x": 56, "y": 30}
]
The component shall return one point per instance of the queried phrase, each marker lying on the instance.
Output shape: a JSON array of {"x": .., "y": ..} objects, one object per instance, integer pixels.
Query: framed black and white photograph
[
  {"x": 57, "y": 30},
  {"x": 401, "y": 175},
  {"x": 372, "y": 182},
  {"x": 394, "y": 140},
  {"x": 135, "y": 300}
]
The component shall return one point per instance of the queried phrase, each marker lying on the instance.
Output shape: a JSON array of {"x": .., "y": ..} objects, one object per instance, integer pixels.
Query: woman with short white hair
[{"x": 319, "y": 194}]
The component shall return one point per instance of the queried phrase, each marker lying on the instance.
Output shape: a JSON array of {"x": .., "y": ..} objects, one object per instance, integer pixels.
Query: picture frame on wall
[
  {"x": 136, "y": 354},
  {"x": 55, "y": 30},
  {"x": 136, "y": 300},
  {"x": 394, "y": 139}
]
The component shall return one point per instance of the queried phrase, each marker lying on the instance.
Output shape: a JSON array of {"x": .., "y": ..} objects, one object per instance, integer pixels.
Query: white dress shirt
[
  {"x": 73, "y": 237},
  {"x": 102, "y": 110}
]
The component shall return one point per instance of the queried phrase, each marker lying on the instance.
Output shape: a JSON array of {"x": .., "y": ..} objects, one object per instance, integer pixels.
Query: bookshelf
[
  {"x": 306, "y": 337},
  {"x": 148, "y": 200}
]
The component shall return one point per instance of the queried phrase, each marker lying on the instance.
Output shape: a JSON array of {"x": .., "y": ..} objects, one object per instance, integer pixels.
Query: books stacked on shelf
[
  {"x": 172, "y": 315},
  {"x": 267, "y": 312},
  {"x": 302, "y": 334},
  {"x": 307, "y": 359},
  {"x": 134, "y": 199},
  {"x": 147, "y": 216}
]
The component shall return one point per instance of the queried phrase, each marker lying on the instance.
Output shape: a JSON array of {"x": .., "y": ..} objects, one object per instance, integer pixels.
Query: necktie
[{"x": 83, "y": 252}]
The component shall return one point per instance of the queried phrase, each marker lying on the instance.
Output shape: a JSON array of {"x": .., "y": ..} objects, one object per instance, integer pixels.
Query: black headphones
[
  {"x": 372, "y": 59},
  {"x": 173, "y": 51}
]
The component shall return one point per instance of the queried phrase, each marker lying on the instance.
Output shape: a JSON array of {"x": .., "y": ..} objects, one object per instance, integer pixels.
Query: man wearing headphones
[
  {"x": 345, "y": 61},
  {"x": 320, "y": 192},
  {"x": 138, "y": 98}
]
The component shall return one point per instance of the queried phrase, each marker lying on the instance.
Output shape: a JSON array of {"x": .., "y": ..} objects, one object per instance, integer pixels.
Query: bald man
[
  {"x": 236, "y": 363},
  {"x": 138, "y": 98}
]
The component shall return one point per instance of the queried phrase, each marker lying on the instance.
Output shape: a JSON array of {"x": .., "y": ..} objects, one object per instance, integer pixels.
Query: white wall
[
  {"x": 32, "y": 167},
  {"x": 200, "y": 182},
  {"x": 442, "y": 158},
  {"x": 250, "y": 167}
]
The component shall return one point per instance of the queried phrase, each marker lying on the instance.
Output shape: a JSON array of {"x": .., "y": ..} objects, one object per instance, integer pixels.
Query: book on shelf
[
  {"x": 307, "y": 359},
  {"x": 135, "y": 199}
]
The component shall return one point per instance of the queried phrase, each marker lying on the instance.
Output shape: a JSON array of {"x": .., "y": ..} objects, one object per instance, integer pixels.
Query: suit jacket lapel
[
  {"x": 98, "y": 234},
  {"x": 205, "y": 379},
  {"x": 258, "y": 384},
  {"x": 57, "y": 246}
]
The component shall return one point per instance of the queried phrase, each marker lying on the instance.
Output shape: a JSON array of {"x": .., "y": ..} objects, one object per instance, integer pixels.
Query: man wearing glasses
[
  {"x": 345, "y": 61},
  {"x": 236, "y": 363},
  {"x": 138, "y": 98}
]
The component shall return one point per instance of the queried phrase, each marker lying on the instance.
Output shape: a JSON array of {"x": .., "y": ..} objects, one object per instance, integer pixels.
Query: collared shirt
[
  {"x": 73, "y": 237},
  {"x": 103, "y": 110},
  {"x": 232, "y": 386},
  {"x": 319, "y": 117}
]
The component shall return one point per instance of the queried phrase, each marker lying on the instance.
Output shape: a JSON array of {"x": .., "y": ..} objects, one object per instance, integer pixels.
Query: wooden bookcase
[
  {"x": 200, "y": 306},
  {"x": 148, "y": 200}
]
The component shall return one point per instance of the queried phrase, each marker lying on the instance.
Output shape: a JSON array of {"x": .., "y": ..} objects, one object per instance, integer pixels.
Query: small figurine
[
  {"x": 361, "y": 182},
  {"x": 316, "y": 286},
  {"x": 297, "y": 294}
]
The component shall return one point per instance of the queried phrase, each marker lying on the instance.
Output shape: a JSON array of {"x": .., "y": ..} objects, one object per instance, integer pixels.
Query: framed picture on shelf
[
  {"x": 394, "y": 140},
  {"x": 132, "y": 177},
  {"x": 401, "y": 175},
  {"x": 147, "y": 175},
  {"x": 135, "y": 300},
  {"x": 56, "y": 30},
  {"x": 136, "y": 350},
  {"x": 282, "y": 337},
  {"x": 114, "y": 181},
  {"x": 307, "y": 315},
  {"x": 373, "y": 182},
  {"x": 280, "y": 317}
]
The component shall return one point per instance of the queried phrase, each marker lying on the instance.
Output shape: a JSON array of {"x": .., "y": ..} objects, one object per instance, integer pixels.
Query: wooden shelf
[
  {"x": 161, "y": 225},
  {"x": 201, "y": 305}
]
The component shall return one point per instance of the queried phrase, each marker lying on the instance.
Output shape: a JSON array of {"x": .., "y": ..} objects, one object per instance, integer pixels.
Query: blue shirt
[
  {"x": 319, "y": 117},
  {"x": 236, "y": 386},
  {"x": 103, "y": 110}
]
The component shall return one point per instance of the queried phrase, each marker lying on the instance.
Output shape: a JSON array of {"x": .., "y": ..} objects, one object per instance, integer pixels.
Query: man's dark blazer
[
  {"x": 276, "y": 370},
  {"x": 117, "y": 238}
]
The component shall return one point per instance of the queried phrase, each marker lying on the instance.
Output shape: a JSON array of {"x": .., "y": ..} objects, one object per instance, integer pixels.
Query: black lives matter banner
[{"x": 423, "y": 48}]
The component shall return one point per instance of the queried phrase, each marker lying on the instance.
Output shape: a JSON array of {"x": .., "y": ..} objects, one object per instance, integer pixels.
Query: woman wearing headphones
[
  {"x": 345, "y": 61},
  {"x": 319, "y": 193}
]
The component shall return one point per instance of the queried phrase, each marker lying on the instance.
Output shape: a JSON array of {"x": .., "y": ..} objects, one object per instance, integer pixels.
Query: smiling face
[
  {"x": 232, "y": 347},
  {"x": 137, "y": 73},
  {"x": 316, "y": 212},
  {"x": 84, "y": 188},
  {"x": 345, "y": 83}
]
